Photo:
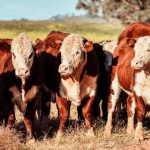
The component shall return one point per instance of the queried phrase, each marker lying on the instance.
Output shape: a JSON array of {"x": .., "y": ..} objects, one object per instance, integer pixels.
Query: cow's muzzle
[
  {"x": 65, "y": 70},
  {"x": 137, "y": 64},
  {"x": 23, "y": 72}
]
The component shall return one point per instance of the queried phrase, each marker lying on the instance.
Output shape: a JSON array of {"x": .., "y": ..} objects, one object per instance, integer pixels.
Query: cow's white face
[
  {"x": 73, "y": 54},
  {"x": 22, "y": 55},
  {"x": 142, "y": 53}
]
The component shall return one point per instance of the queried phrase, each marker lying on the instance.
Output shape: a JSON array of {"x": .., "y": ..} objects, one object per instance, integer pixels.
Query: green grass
[{"x": 39, "y": 29}]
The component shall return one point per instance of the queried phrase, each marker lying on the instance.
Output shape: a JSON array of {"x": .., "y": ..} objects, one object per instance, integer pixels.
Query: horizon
[{"x": 37, "y": 9}]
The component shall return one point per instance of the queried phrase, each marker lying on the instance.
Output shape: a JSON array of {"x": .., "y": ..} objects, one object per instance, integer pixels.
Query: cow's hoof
[
  {"x": 138, "y": 136},
  {"x": 107, "y": 132},
  {"x": 30, "y": 141},
  {"x": 59, "y": 136},
  {"x": 130, "y": 131},
  {"x": 90, "y": 133}
]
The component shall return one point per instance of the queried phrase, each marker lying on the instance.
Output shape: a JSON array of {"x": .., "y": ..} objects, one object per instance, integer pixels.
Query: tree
[
  {"x": 127, "y": 11},
  {"x": 91, "y": 6}
]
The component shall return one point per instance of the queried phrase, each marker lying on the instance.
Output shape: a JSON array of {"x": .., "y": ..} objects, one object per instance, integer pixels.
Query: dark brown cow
[
  {"x": 7, "y": 81},
  {"x": 48, "y": 50},
  {"x": 28, "y": 67},
  {"x": 135, "y": 30},
  {"x": 129, "y": 80}
]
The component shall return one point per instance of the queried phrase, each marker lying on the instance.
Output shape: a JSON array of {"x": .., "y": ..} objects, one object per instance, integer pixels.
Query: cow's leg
[
  {"x": 11, "y": 116},
  {"x": 45, "y": 109},
  {"x": 130, "y": 112},
  {"x": 105, "y": 108},
  {"x": 9, "y": 110},
  {"x": 113, "y": 97},
  {"x": 29, "y": 116},
  {"x": 87, "y": 113},
  {"x": 140, "y": 109},
  {"x": 64, "y": 113},
  {"x": 96, "y": 108},
  {"x": 80, "y": 115}
]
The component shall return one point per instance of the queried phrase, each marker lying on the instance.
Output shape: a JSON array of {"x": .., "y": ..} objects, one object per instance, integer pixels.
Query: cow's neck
[
  {"x": 147, "y": 69},
  {"x": 80, "y": 72}
]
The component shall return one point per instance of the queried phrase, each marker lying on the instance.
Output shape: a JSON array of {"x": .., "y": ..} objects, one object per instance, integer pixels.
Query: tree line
[{"x": 127, "y": 11}]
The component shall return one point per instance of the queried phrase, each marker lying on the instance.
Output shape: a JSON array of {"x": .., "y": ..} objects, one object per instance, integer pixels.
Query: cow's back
[
  {"x": 49, "y": 51},
  {"x": 135, "y": 30}
]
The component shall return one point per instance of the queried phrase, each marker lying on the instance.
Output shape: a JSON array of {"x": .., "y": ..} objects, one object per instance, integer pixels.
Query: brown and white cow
[
  {"x": 135, "y": 30},
  {"x": 79, "y": 74},
  {"x": 133, "y": 80},
  {"x": 28, "y": 68}
]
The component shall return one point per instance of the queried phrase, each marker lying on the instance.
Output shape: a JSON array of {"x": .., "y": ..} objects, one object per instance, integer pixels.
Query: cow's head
[
  {"x": 22, "y": 55},
  {"x": 73, "y": 54},
  {"x": 142, "y": 53}
]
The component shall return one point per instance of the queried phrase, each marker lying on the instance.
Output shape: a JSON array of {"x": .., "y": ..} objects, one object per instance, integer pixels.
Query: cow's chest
[
  {"x": 142, "y": 86},
  {"x": 75, "y": 91}
]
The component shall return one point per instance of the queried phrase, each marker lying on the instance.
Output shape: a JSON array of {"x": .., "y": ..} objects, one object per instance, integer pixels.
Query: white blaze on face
[
  {"x": 72, "y": 54},
  {"x": 142, "y": 53},
  {"x": 22, "y": 55}
]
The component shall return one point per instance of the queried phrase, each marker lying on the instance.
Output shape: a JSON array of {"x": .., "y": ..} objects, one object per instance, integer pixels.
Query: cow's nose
[
  {"x": 137, "y": 64},
  {"x": 23, "y": 72},
  {"x": 63, "y": 68}
]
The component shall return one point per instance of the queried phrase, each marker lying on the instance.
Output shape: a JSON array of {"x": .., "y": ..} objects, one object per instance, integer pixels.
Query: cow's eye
[
  {"x": 14, "y": 56},
  {"x": 148, "y": 50},
  {"x": 31, "y": 55},
  {"x": 77, "y": 53}
]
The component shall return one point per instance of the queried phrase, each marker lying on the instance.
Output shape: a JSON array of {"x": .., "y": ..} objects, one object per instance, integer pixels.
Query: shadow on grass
[{"x": 119, "y": 125}]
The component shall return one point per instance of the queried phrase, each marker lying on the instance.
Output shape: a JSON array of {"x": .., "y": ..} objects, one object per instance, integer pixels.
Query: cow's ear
[
  {"x": 131, "y": 41},
  {"x": 88, "y": 46}
]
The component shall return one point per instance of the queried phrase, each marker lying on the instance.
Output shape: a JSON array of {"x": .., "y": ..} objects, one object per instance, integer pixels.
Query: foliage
[
  {"x": 91, "y": 6},
  {"x": 127, "y": 11}
]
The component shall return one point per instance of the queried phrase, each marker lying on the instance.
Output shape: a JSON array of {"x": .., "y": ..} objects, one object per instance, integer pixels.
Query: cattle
[
  {"x": 135, "y": 30},
  {"x": 79, "y": 73},
  {"x": 108, "y": 48},
  {"x": 6, "y": 74},
  {"x": 48, "y": 50},
  {"x": 130, "y": 74},
  {"x": 28, "y": 68},
  {"x": 104, "y": 52},
  {"x": 7, "y": 81}
]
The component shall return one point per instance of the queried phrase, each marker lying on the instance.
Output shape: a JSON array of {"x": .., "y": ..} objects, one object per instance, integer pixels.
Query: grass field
[
  {"x": 39, "y": 29},
  {"x": 74, "y": 139}
]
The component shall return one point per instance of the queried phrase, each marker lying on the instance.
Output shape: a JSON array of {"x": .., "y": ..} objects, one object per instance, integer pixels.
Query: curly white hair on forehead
[
  {"x": 22, "y": 44},
  {"x": 72, "y": 41}
]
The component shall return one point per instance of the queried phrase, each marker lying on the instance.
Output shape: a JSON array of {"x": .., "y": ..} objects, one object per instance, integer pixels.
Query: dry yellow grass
[
  {"x": 74, "y": 138},
  {"x": 39, "y": 29}
]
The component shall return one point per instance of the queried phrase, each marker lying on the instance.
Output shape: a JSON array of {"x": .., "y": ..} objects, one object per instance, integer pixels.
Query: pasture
[
  {"x": 74, "y": 138},
  {"x": 39, "y": 29}
]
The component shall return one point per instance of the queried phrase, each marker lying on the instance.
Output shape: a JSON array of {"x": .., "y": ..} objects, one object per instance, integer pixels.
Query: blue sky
[{"x": 36, "y": 9}]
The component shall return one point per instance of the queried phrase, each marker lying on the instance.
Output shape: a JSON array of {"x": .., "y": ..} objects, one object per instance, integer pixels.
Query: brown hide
[
  {"x": 7, "y": 80},
  {"x": 124, "y": 54},
  {"x": 135, "y": 30},
  {"x": 49, "y": 51},
  {"x": 5, "y": 56},
  {"x": 51, "y": 44}
]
